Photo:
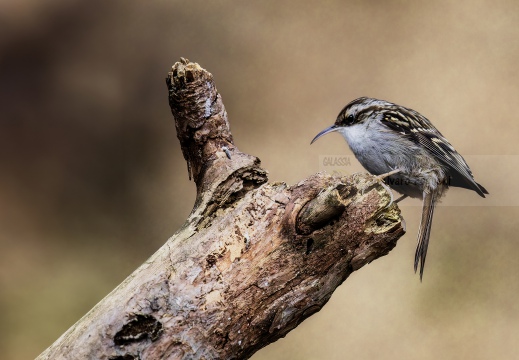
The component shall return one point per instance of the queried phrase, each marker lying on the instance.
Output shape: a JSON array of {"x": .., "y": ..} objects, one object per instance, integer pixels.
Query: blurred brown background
[{"x": 92, "y": 180}]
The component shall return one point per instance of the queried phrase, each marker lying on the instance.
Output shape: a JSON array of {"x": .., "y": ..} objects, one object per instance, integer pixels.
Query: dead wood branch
[{"x": 252, "y": 261}]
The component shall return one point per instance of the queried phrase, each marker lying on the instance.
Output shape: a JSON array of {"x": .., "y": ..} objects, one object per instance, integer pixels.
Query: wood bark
[{"x": 253, "y": 259}]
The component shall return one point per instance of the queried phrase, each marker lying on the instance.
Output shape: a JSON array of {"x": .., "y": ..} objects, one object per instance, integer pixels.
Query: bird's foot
[{"x": 380, "y": 180}]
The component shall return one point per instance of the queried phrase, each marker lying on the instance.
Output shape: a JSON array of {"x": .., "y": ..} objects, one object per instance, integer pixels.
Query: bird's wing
[{"x": 420, "y": 130}]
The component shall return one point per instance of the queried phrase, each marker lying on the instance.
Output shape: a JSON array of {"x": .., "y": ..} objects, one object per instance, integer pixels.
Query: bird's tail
[{"x": 429, "y": 201}]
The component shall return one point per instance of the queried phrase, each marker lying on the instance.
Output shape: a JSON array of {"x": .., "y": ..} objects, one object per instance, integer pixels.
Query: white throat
[{"x": 357, "y": 137}]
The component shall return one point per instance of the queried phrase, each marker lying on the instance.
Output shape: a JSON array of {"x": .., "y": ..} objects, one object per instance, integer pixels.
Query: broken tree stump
[{"x": 251, "y": 262}]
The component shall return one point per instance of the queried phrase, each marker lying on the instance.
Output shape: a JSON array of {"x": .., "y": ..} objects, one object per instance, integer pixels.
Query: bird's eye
[{"x": 349, "y": 119}]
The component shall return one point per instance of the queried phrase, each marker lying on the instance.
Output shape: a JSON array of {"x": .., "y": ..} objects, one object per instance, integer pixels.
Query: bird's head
[{"x": 350, "y": 115}]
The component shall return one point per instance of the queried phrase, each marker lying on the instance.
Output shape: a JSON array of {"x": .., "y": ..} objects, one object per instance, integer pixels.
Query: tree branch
[{"x": 251, "y": 262}]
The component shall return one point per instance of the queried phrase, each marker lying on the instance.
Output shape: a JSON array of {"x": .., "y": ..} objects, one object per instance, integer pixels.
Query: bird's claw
[{"x": 380, "y": 180}]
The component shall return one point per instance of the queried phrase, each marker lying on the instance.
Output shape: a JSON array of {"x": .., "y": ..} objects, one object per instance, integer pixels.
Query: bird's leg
[
  {"x": 380, "y": 178},
  {"x": 392, "y": 172}
]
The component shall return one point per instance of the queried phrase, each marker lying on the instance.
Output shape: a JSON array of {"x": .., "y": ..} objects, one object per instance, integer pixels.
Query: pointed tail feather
[
  {"x": 429, "y": 201},
  {"x": 483, "y": 190}
]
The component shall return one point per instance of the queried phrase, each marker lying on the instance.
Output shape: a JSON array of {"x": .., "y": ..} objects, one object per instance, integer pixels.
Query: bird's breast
[
  {"x": 375, "y": 151},
  {"x": 380, "y": 150}
]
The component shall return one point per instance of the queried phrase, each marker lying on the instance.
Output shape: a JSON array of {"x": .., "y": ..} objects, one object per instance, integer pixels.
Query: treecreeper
[{"x": 406, "y": 151}]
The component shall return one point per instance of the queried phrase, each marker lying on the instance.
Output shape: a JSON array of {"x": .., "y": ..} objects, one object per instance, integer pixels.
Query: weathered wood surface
[{"x": 251, "y": 262}]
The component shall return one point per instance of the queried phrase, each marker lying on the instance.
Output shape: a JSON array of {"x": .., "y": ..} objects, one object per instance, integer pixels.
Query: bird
[{"x": 402, "y": 147}]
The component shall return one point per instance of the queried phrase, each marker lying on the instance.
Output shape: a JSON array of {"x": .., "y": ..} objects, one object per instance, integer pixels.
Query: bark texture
[{"x": 252, "y": 261}]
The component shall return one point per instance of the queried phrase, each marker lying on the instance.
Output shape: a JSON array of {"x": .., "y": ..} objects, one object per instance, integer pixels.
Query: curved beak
[{"x": 324, "y": 132}]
